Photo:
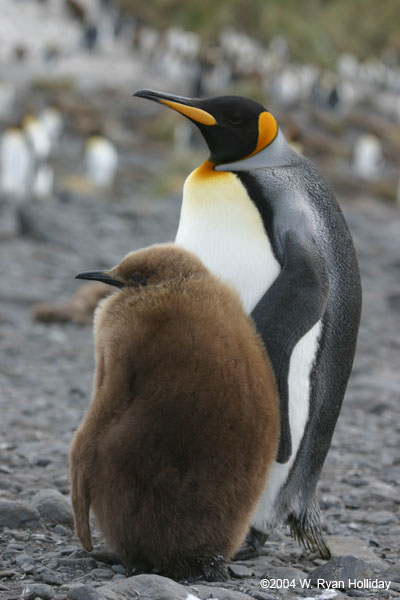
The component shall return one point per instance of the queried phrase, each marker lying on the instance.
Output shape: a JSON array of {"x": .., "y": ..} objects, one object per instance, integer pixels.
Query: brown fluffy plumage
[{"x": 174, "y": 450}]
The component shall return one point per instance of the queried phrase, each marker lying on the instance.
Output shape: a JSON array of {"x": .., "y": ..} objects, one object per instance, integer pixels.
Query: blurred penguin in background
[
  {"x": 52, "y": 120},
  {"x": 367, "y": 157},
  {"x": 17, "y": 163},
  {"x": 37, "y": 136},
  {"x": 100, "y": 160}
]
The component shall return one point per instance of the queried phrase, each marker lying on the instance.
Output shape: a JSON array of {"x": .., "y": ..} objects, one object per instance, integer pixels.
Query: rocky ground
[{"x": 45, "y": 383}]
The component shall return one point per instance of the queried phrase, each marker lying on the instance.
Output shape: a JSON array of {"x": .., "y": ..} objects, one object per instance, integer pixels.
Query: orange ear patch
[
  {"x": 267, "y": 130},
  {"x": 197, "y": 114}
]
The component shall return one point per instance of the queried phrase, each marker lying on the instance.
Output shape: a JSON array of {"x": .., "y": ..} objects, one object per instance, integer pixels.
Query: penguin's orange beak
[{"x": 185, "y": 106}]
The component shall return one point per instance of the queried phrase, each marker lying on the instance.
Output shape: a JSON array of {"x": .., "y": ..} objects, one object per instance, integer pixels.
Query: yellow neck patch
[
  {"x": 267, "y": 130},
  {"x": 197, "y": 114},
  {"x": 205, "y": 170}
]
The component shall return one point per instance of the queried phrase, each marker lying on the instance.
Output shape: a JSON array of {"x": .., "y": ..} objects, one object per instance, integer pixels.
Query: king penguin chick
[
  {"x": 173, "y": 452},
  {"x": 260, "y": 216}
]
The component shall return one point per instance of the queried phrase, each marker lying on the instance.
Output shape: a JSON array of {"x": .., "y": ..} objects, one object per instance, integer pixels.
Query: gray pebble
[
  {"x": 52, "y": 578},
  {"x": 18, "y": 515},
  {"x": 80, "y": 553},
  {"x": 53, "y": 507},
  {"x": 62, "y": 483},
  {"x": 27, "y": 568},
  {"x": 60, "y": 530},
  {"x": 240, "y": 571},
  {"x": 42, "y": 461},
  {"x": 37, "y": 590},
  {"x": 103, "y": 572},
  {"x": 262, "y": 596},
  {"x": 7, "y": 573},
  {"x": 284, "y": 573},
  {"x": 82, "y": 563},
  {"x": 83, "y": 592},
  {"x": 21, "y": 535},
  {"x": 119, "y": 569},
  {"x": 341, "y": 568},
  {"x": 379, "y": 517},
  {"x": 21, "y": 559}
]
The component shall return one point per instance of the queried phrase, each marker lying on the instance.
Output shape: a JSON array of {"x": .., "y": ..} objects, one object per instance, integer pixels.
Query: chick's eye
[{"x": 138, "y": 279}]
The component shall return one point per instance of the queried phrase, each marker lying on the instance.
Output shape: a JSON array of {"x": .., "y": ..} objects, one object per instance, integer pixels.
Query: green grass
[{"x": 316, "y": 30}]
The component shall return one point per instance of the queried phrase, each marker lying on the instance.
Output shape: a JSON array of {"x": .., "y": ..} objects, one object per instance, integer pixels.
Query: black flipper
[{"x": 291, "y": 306}]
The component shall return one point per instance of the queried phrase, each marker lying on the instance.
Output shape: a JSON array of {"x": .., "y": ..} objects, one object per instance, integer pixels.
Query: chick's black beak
[
  {"x": 100, "y": 276},
  {"x": 186, "y": 106}
]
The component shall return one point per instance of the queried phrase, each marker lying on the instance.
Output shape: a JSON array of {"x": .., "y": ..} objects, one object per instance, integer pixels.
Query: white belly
[{"x": 221, "y": 225}]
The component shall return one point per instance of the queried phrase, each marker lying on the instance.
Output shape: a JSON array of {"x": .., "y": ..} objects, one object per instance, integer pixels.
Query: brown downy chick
[{"x": 174, "y": 450}]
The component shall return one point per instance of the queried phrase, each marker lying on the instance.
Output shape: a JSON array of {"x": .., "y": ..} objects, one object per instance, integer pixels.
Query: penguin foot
[
  {"x": 214, "y": 568},
  {"x": 253, "y": 543},
  {"x": 190, "y": 570},
  {"x": 307, "y": 530}
]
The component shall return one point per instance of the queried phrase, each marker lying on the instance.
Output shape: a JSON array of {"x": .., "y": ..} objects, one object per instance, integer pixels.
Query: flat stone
[
  {"x": 152, "y": 587},
  {"x": 204, "y": 592},
  {"x": 379, "y": 517},
  {"x": 341, "y": 569},
  {"x": 103, "y": 572},
  {"x": 21, "y": 559},
  {"x": 119, "y": 569},
  {"x": 351, "y": 546},
  {"x": 37, "y": 590},
  {"x": 60, "y": 530},
  {"x": 53, "y": 507},
  {"x": 262, "y": 596},
  {"x": 284, "y": 573},
  {"x": 52, "y": 579},
  {"x": 85, "y": 592},
  {"x": 80, "y": 563},
  {"x": 7, "y": 573},
  {"x": 240, "y": 571},
  {"x": 17, "y": 515}
]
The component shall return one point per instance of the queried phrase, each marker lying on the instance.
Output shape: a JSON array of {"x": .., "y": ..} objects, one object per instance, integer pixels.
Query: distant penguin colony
[
  {"x": 260, "y": 216},
  {"x": 25, "y": 155},
  {"x": 173, "y": 453}
]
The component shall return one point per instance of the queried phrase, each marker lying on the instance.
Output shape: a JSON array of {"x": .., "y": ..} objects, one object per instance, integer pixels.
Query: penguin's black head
[
  {"x": 156, "y": 265},
  {"x": 233, "y": 127}
]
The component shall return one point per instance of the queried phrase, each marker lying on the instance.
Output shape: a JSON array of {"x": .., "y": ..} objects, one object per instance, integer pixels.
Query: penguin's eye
[
  {"x": 138, "y": 279},
  {"x": 234, "y": 118}
]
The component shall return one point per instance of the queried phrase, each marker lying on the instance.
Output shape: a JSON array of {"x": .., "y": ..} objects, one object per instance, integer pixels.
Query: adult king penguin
[{"x": 260, "y": 216}]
